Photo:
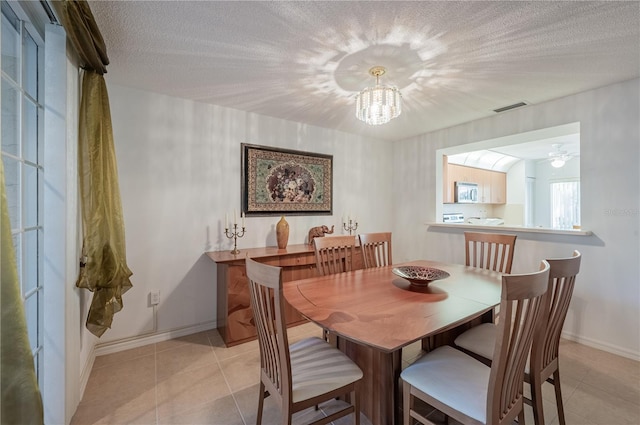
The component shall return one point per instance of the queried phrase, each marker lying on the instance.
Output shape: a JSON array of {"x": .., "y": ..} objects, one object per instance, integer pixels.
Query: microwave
[{"x": 466, "y": 193}]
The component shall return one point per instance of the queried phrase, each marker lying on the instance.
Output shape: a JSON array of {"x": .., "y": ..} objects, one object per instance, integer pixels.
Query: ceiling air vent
[{"x": 506, "y": 108}]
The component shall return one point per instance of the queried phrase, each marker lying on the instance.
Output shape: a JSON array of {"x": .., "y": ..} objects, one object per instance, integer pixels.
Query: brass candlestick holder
[
  {"x": 351, "y": 227},
  {"x": 235, "y": 234}
]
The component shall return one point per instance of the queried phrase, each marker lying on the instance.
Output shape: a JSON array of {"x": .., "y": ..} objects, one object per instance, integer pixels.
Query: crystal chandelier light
[{"x": 379, "y": 104}]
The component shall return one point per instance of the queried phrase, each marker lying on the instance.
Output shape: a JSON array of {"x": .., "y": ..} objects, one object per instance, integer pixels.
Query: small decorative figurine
[{"x": 318, "y": 232}]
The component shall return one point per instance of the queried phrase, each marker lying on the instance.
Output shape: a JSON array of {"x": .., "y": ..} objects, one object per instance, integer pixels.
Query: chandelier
[{"x": 379, "y": 104}]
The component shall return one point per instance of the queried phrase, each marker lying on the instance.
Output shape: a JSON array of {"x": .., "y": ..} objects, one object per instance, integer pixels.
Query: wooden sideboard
[{"x": 234, "y": 315}]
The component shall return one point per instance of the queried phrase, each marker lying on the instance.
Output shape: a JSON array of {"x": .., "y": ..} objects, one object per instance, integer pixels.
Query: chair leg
[
  {"x": 536, "y": 399},
  {"x": 407, "y": 403},
  {"x": 355, "y": 396},
  {"x": 558, "y": 391},
  {"x": 260, "y": 404},
  {"x": 521, "y": 417}
]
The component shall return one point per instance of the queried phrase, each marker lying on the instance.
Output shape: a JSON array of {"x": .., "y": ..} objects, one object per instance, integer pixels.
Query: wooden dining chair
[
  {"x": 491, "y": 251},
  {"x": 543, "y": 365},
  {"x": 334, "y": 254},
  {"x": 303, "y": 374},
  {"x": 470, "y": 391},
  {"x": 376, "y": 249}
]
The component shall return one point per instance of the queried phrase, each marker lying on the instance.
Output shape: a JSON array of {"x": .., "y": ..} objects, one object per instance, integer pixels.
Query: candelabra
[
  {"x": 235, "y": 234},
  {"x": 351, "y": 227}
]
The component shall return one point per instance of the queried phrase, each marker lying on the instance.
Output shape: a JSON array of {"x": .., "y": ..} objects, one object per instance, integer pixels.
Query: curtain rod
[{"x": 48, "y": 9}]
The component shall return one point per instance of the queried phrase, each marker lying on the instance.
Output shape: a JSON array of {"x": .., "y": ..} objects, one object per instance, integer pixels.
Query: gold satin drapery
[
  {"x": 104, "y": 270},
  {"x": 84, "y": 34},
  {"x": 21, "y": 401}
]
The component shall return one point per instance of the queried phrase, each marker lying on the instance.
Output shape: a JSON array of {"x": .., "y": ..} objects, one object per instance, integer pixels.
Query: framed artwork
[{"x": 281, "y": 181}]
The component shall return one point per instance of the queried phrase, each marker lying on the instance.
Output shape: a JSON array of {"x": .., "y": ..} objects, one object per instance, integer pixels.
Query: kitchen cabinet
[
  {"x": 483, "y": 178},
  {"x": 498, "y": 188},
  {"x": 492, "y": 185},
  {"x": 457, "y": 173}
]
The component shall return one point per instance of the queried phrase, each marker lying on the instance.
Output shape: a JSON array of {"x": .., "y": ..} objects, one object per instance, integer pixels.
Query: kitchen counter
[{"x": 508, "y": 228}]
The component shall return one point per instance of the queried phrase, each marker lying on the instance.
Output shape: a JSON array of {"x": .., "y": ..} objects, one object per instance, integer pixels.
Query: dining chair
[
  {"x": 491, "y": 251},
  {"x": 469, "y": 391},
  {"x": 543, "y": 364},
  {"x": 376, "y": 249},
  {"x": 334, "y": 254},
  {"x": 305, "y": 373}
]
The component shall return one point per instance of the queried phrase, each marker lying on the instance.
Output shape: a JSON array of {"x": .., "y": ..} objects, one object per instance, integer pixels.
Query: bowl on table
[{"x": 419, "y": 275}]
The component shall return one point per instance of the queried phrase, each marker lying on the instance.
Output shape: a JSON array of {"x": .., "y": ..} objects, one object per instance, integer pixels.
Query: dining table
[{"x": 371, "y": 314}]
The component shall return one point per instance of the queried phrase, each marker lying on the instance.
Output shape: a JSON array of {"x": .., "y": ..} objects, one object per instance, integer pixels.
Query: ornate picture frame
[{"x": 282, "y": 181}]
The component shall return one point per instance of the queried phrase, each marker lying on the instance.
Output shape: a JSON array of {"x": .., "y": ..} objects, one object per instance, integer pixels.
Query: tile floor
[{"x": 197, "y": 380}]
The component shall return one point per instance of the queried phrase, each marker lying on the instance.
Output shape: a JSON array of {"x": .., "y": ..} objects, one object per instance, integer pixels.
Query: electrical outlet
[{"x": 154, "y": 297}]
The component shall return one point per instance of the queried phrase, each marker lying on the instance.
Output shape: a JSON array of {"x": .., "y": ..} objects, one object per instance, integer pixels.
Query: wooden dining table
[{"x": 372, "y": 314}]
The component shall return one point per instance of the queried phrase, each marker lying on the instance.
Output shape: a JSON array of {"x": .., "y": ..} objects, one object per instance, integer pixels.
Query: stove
[{"x": 453, "y": 218}]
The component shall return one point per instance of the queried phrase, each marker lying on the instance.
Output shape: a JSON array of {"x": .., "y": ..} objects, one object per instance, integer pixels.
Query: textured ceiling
[{"x": 305, "y": 61}]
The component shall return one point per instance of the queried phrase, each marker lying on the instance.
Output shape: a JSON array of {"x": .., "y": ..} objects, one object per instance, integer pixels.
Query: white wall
[
  {"x": 179, "y": 168},
  {"x": 605, "y": 310},
  {"x": 179, "y": 164}
]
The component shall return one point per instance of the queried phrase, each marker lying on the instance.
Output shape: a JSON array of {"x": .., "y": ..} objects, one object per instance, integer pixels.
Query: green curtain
[
  {"x": 84, "y": 34},
  {"x": 104, "y": 270},
  {"x": 21, "y": 402}
]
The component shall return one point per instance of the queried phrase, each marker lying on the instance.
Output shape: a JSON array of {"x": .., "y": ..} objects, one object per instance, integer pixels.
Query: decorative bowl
[{"x": 418, "y": 275}]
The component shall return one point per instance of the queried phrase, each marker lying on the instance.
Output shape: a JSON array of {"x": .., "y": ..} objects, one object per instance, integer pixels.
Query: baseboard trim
[
  {"x": 140, "y": 340},
  {"x": 86, "y": 372},
  {"x": 609, "y": 348}
]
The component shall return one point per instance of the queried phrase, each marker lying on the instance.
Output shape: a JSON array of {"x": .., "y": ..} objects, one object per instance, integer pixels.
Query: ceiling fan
[{"x": 558, "y": 157}]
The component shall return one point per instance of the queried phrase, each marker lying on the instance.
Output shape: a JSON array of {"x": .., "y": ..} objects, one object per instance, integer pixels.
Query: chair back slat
[
  {"x": 376, "y": 249},
  {"x": 562, "y": 279},
  {"x": 334, "y": 254},
  {"x": 489, "y": 251},
  {"x": 522, "y": 308},
  {"x": 265, "y": 288}
]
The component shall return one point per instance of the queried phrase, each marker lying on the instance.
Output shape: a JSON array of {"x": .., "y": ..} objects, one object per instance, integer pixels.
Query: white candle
[
  {"x": 235, "y": 217},
  {"x": 242, "y": 219},
  {"x": 226, "y": 220}
]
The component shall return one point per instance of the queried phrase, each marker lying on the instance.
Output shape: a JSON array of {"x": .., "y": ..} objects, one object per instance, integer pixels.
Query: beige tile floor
[{"x": 197, "y": 380}]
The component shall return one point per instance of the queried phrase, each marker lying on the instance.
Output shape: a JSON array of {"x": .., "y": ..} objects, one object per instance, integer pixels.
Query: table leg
[{"x": 380, "y": 395}]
